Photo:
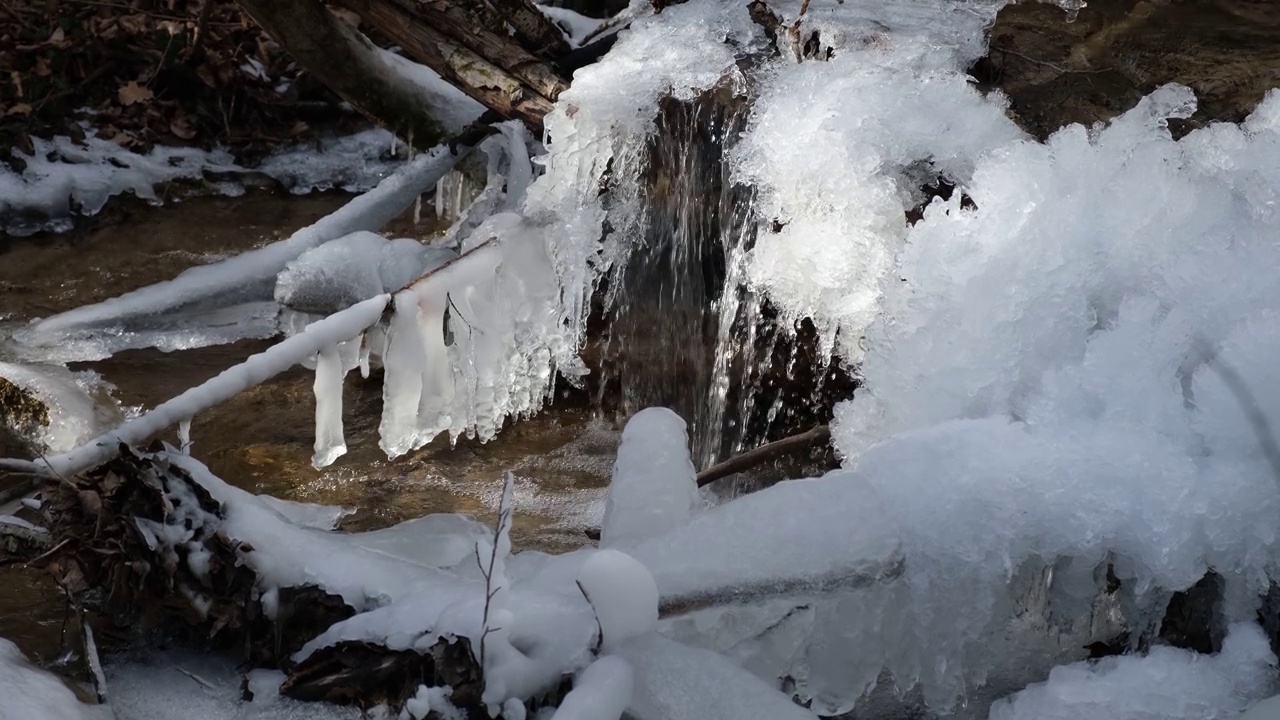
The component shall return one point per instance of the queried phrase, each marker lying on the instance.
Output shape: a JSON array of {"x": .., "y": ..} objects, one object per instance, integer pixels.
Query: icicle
[
  {"x": 366, "y": 349},
  {"x": 437, "y": 373},
  {"x": 417, "y": 211},
  {"x": 184, "y": 436},
  {"x": 330, "y": 444},
  {"x": 394, "y": 138},
  {"x": 402, "y": 385}
]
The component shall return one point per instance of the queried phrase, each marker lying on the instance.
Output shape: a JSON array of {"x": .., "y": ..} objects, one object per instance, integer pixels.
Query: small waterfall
[{"x": 685, "y": 329}]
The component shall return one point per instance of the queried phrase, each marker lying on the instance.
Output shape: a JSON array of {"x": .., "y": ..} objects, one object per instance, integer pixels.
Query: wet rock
[
  {"x": 1194, "y": 619},
  {"x": 22, "y": 416},
  {"x": 1058, "y": 70}
]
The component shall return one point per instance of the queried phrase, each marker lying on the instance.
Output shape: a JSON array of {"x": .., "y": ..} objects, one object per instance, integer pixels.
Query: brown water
[{"x": 261, "y": 440}]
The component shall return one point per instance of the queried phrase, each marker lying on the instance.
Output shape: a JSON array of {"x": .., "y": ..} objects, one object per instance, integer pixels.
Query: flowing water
[
  {"x": 261, "y": 440},
  {"x": 735, "y": 374}
]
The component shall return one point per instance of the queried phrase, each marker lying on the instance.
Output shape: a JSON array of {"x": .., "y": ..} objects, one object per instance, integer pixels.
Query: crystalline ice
[{"x": 330, "y": 443}]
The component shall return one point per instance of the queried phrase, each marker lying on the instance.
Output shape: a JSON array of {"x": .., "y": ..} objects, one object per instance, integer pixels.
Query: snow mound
[
  {"x": 1166, "y": 684},
  {"x": 654, "y": 488},
  {"x": 32, "y": 694}
]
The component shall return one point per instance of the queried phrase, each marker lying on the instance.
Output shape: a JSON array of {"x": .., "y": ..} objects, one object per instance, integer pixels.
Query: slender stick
[{"x": 769, "y": 451}]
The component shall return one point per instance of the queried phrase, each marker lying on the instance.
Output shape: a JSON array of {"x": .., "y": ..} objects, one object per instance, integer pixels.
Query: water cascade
[{"x": 685, "y": 328}]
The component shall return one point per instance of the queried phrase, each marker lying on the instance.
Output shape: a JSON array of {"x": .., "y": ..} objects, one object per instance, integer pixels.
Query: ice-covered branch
[
  {"x": 252, "y": 275},
  {"x": 318, "y": 336}
]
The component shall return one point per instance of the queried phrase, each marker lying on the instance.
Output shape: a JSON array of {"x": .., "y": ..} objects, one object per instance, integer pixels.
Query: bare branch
[{"x": 769, "y": 451}]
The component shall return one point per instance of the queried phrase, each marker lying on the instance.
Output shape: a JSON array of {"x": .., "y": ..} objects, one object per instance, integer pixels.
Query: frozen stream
[{"x": 262, "y": 439}]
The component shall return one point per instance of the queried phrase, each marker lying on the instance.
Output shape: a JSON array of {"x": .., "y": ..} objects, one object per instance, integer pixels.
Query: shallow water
[{"x": 261, "y": 440}]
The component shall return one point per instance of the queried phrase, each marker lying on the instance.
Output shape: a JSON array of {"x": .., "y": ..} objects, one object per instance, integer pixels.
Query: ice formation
[
  {"x": 1066, "y": 376},
  {"x": 654, "y": 488},
  {"x": 223, "y": 301},
  {"x": 1052, "y": 378},
  {"x": 1166, "y": 683},
  {"x": 77, "y": 406}
]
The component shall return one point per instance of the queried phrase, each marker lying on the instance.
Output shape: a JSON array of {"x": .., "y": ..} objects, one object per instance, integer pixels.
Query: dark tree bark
[
  {"x": 502, "y": 54},
  {"x": 349, "y": 64}
]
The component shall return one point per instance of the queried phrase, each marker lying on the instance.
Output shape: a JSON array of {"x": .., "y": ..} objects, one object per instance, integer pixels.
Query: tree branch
[
  {"x": 769, "y": 451},
  {"x": 348, "y": 63}
]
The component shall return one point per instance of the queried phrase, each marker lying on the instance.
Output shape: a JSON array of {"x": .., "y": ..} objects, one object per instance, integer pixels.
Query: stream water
[{"x": 261, "y": 440}]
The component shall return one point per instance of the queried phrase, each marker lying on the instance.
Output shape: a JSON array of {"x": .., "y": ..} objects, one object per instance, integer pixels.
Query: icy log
[
  {"x": 258, "y": 268},
  {"x": 346, "y": 61},
  {"x": 503, "y": 78},
  {"x": 258, "y": 368},
  {"x": 745, "y": 550}
]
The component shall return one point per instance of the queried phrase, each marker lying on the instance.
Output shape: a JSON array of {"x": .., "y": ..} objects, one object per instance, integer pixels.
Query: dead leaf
[
  {"x": 57, "y": 36},
  {"x": 180, "y": 128},
  {"x": 299, "y": 128},
  {"x": 134, "y": 93},
  {"x": 19, "y": 109},
  {"x": 346, "y": 16},
  {"x": 42, "y": 68}
]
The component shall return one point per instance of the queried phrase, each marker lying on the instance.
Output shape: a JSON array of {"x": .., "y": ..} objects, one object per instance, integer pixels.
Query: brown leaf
[
  {"x": 90, "y": 503},
  {"x": 134, "y": 93},
  {"x": 19, "y": 109},
  {"x": 42, "y": 68},
  {"x": 207, "y": 76},
  {"x": 346, "y": 16},
  {"x": 57, "y": 36},
  {"x": 180, "y": 128},
  {"x": 299, "y": 128}
]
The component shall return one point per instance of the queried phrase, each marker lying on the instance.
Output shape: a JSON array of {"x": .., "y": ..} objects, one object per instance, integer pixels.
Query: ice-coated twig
[
  {"x": 336, "y": 328},
  {"x": 95, "y": 662}
]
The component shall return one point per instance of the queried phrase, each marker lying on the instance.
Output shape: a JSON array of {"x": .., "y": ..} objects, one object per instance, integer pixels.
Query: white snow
[
  {"x": 1166, "y": 684},
  {"x": 601, "y": 692},
  {"x": 63, "y": 177},
  {"x": 29, "y": 693},
  {"x": 451, "y": 107},
  {"x": 677, "y": 682},
  {"x": 1268, "y": 709},
  {"x": 654, "y": 487},
  {"x": 799, "y": 536},
  {"x": 355, "y": 267},
  {"x": 574, "y": 25},
  {"x": 622, "y": 593}
]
